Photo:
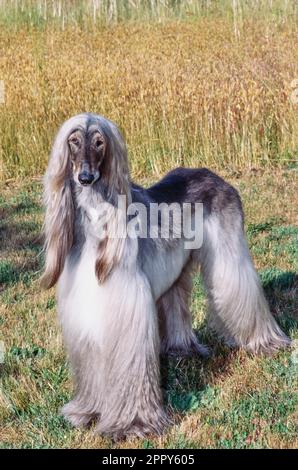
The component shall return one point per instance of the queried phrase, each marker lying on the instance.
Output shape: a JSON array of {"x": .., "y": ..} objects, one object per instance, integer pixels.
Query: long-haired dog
[{"x": 122, "y": 300}]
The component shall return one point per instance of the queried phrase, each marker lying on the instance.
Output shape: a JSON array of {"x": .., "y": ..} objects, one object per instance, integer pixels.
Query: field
[
  {"x": 207, "y": 91},
  {"x": 231, "y": 400},
  {"x": 194, "y": 86}
]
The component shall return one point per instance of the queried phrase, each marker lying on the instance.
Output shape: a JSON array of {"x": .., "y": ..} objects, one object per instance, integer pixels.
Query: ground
[{"x": 231, "y": 400}]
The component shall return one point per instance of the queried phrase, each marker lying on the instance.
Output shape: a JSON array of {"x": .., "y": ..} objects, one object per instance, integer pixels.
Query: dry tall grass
[
  {"x": 83, "y": 13},
  {"x": 184, "y": 93}
]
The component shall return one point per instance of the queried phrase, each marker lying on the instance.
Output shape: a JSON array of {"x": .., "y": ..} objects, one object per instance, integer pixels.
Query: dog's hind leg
[
  {"x": 238, "y": 309},
  {"x": 177, "y": 335}
]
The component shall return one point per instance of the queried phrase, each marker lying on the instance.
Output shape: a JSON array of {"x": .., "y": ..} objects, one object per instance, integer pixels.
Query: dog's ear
[
  {"x": 59, "y": 219},
  {"x": 112, "y": 242},
  {"x": 116, "y": 173},
  {"x": 105, "y": 260},
  {"x": 116, "y": 177}
]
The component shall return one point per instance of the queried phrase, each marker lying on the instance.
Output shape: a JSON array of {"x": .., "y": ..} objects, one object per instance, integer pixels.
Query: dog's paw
[
  {"x": 193, "y": 349},
  {"x": 74, "y": 414},
  {"x": 155, "y": 424}
]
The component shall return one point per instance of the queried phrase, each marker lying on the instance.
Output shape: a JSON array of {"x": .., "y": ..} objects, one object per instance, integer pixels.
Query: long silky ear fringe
[
  {"x": 117, "y": 173},
  {"x": 103, "y": 266},
  {"x": 58, "y": 200},
  {"x": 58, "y": 234},
  {"x": 110, "y": 249}
]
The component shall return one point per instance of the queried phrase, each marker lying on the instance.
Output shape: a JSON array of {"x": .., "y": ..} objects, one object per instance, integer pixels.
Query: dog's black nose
[{"x": 85, "y": 178}]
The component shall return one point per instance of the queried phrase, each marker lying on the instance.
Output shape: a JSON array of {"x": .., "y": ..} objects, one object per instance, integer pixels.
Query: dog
[{"x": 123, "y": 299}]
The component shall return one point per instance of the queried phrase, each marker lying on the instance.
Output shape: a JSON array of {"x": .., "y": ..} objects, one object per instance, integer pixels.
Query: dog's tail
[{"x": 238, "y": 309}]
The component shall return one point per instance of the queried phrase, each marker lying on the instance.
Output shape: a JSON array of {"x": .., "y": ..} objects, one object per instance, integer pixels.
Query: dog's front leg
[{"x": 132, "y": 401}]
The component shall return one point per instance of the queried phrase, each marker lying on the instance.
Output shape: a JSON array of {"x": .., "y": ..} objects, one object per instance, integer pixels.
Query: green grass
[{"x": 231, "y": 400}]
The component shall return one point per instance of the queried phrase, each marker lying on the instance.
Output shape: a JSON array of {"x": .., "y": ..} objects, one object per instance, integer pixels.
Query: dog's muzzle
[{"x": 85, "y": 178}]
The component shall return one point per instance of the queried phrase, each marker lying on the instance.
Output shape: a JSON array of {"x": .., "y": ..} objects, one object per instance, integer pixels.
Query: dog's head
[
  {"x": 89, "y": 148},
  {"x": 88, "y": 151},
  {"x": 97, "y": 151}
]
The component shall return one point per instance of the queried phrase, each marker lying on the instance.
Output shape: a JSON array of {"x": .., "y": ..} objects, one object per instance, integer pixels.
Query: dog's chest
[
  {"x": 164, "y": 267},
  {"x": 81, "y": 299}
]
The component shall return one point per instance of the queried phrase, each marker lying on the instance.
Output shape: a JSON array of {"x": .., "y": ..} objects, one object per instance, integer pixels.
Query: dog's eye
[
  {"x": 98, "y": 143},
  {"x": 75, "y": 142}
]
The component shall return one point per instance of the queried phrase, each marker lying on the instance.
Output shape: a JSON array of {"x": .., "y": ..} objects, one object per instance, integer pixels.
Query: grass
[
  {"x": 232, "y": 400},
  {"x": 41, "y": 13},
  {"x": 208, "y": 88}
]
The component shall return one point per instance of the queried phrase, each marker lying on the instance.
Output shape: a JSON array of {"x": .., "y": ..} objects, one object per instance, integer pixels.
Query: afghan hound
[{"x": 123, "y": 300}]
